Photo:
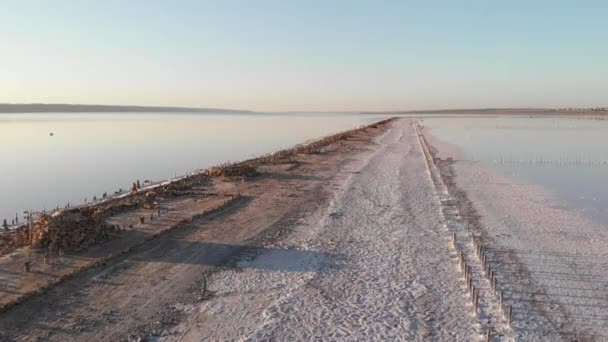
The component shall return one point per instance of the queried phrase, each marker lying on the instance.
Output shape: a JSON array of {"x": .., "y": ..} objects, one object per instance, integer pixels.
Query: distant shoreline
[
  {"x": 21, "y": 108},
  {"x": 7, "y": 108},
  {"x": 505, "y": 111}
]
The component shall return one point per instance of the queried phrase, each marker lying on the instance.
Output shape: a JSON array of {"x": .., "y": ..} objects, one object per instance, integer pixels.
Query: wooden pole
[
  {"x": 27, "y": 266},
  {"x": 204, "y": 285},
  {"x": 461, "y": 261},
  {"x": 475, "y": 245},
  {"x": 510, "y": 319},
  {"x": 501, "y": 297},
  {"x": 489, "y": 338}
]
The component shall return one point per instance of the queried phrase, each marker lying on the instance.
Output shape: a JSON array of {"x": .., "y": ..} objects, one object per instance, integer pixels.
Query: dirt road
[{"x": 346, "y": 244}]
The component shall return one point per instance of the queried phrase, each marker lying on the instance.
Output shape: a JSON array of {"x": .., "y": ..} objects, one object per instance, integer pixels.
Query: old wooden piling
[{"x": 500, "y": 301}]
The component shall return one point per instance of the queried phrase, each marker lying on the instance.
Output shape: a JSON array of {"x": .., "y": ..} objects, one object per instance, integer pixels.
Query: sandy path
[
  {"x": 349, "y": 244},
  {"x": 374, "y": 265},
  {"x": 146, "y": 292}
]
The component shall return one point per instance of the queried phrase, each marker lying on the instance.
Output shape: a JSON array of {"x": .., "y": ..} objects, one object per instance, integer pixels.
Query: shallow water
[
  {"x": 566, "y": 156},
  {"x": 89, "y": 154}
]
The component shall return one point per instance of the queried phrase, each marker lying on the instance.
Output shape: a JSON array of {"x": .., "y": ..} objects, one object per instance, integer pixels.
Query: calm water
[
  {"x": 568, "y": 157},
  {"x": 89, "y": 154}
]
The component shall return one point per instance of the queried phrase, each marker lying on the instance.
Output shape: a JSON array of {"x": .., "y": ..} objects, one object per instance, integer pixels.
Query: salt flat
[{"x": 382, "y": 271}]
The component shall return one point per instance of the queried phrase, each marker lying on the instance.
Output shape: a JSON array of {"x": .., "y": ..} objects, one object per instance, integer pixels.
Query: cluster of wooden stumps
[
  {"x": 27, "y": 266},
  {"x": 136, "y": 186},
  {"x": 482, "y": 255},
  {"x": 142, "y": 219},
  {"x": 46, "y": 259}
]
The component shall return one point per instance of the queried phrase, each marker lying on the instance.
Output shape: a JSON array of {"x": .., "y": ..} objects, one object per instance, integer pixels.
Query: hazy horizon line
[{"x": 40, "y": 107}]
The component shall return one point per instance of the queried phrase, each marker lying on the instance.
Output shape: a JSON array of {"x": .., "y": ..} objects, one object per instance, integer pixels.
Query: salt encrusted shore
[
  {"x": 374, "y": 264},
  {"x": 551, "y": 262}
]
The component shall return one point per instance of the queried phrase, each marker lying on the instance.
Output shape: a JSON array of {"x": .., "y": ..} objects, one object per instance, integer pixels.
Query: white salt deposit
[{"x": 375, "y": 265}]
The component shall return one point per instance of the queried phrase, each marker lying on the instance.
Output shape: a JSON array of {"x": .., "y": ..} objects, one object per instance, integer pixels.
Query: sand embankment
[
  {"x": 139, "y": 292},
  {"x": 374, "y": 263}
]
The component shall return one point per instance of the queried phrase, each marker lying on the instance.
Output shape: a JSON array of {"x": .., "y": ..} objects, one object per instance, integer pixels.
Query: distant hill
[
  {"x": 77, "y": 108},
  {"x": 495, "y": 111}
]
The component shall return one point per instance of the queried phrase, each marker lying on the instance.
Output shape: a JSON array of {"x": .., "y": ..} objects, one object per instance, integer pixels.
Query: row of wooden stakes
[{"x": 481, "y": 254}]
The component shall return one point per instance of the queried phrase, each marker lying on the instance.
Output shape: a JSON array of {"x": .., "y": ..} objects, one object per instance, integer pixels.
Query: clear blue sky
[{"x": 306, "y": 55}]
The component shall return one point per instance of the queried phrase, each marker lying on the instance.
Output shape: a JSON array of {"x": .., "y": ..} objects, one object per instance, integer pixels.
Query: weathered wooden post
[
  {"x": 462, "y": 258},
  {"x": 26, "y": 267},
  {"x": 501, "y": 298},
  {"x": 142, "y": 219},
  {"x": 204, "y": 285},
  {"x": 471, "y": 279},
  {"x": 510, "y": 316},
  {"x": 489, "y": 337},
  {"x": 475, "y": 302},
  {"x": 460, "y": 261}
]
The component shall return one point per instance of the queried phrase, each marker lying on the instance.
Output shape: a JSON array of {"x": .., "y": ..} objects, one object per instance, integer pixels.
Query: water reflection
[
  {"x": 566, "y": 156},
  {"x": 88, "y": 154}
]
